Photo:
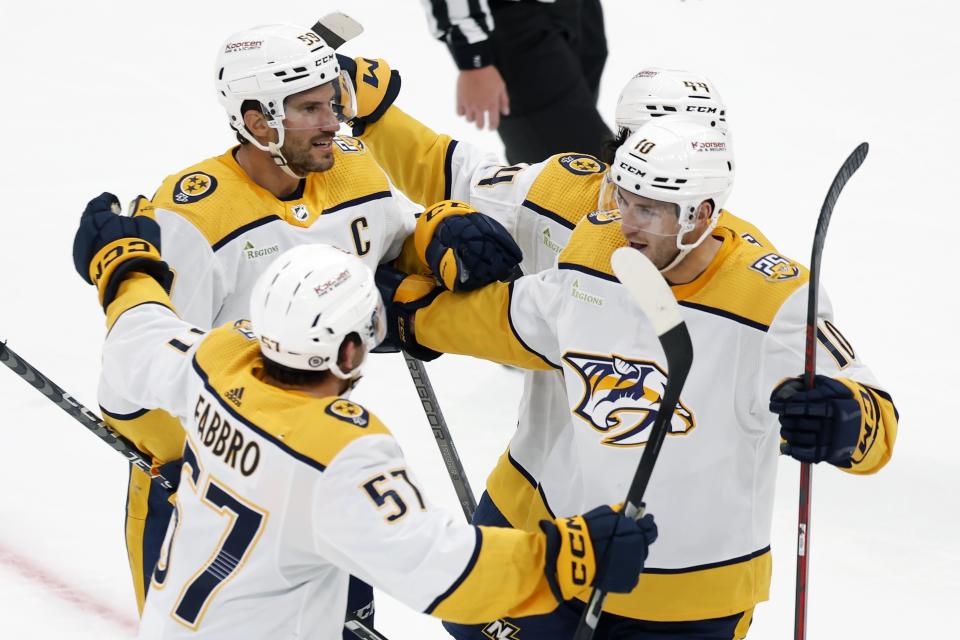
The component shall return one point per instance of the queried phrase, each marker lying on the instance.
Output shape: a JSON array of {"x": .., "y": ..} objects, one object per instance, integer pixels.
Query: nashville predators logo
[
  {"x": 604, "y": 216},
  {"x": 348, "y": 412},
  {"x": 581, "y": 164},
  {"x": 621, "y": 398},
  {"x": 194, "y": 186}
]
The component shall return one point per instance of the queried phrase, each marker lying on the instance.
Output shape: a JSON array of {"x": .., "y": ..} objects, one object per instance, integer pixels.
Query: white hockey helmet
[
  {"x": 676, "y": 159},
  {"x": 270, "y": 63},
  {"x": 308, "y": 300},
  {"x": 655, "y": 92}
]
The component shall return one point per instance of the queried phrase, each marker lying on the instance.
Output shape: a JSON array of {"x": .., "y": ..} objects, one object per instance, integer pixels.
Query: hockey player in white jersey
[
  {"x": 286, "y": 485},
  {"x": 291, "y": 180},
  {"x": 745, "y": 308}
]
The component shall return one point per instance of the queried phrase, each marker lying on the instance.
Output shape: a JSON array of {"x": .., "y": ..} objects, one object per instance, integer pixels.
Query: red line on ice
[{"x": 25, "y": 567}]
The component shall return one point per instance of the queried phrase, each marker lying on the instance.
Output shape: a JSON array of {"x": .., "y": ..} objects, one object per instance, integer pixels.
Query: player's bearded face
[
  {"x": 650, "y": 226},
  {"x": 309, "y": 127}
]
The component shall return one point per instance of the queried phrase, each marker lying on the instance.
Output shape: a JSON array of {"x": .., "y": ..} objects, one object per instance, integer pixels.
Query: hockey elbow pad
[
  {"x": 376, "y": 86},
  {"x": 402, "y": 296},
  {"x": 601, "y": 548},
  {"x": 464, "y": 248},
  {"x": 107, "y": 246}
]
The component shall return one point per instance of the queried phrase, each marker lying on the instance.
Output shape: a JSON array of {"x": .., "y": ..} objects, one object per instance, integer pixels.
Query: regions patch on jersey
[
  {"x": 621, "y": 398},
  {"x": 348, "y": 412},
  {"x": 194, "y": 186},
  {"x": 776, "y": 268},
  {"x": 349, "y": 144},
  {"x": 604, "y": 217},
  {"x": 581, "y": 164}
]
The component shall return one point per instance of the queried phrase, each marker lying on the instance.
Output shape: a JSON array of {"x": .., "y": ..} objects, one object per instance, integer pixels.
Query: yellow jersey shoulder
[
  {"x": 568, "y": 186},
  {"x": 215, "y": 195},
  {"x": 746, "y": 230},
  {"x": 354, "y": 176},
  {"x": 748, "y": 281},
  {"x": 592, "y": 242},
  {"x": 315, "y": 428}
]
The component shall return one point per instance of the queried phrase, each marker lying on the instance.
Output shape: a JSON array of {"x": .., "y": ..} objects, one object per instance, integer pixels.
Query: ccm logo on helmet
[
  {"x": 626, "y": 167},
  {"x": 701, "y": 109}
]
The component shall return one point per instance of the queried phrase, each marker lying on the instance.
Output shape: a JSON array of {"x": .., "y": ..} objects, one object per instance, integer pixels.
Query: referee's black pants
[{"x": 551, "y": 57}]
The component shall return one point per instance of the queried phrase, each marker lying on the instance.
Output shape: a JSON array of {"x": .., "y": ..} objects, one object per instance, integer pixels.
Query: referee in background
[{"x": 530, "y": 69}]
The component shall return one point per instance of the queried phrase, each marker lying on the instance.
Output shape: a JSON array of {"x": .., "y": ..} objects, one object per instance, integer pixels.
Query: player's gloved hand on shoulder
[
  {"x": 402, "y": 295},
  {"x": 465, "y": 249},
  {"x": 107, "y": 246},
  {"x": 604, "y": 538},
  {"x": 819, "y": 424},
  {"x": 375, "y": 85}
]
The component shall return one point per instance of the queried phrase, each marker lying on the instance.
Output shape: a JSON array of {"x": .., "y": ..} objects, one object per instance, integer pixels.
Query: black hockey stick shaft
[
  {"x": 418, "y": 373},
  {"x": 850, "y": 165},
  {"x": 80, "y": 413},
  {"x": 650, "y": 291},
  {"x": 679, "y": 351}
]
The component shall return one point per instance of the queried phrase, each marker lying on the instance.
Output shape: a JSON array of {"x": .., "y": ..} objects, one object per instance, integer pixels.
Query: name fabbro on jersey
[{"x": 225, "y": 441}]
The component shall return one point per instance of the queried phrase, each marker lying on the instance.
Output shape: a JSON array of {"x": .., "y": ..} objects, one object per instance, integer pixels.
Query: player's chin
[{"x": 321, "y": 161}]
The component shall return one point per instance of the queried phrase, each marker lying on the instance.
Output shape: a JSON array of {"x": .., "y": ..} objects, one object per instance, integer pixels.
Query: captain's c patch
[
  {"x": 348, "y": 412},
  {"x": 194, "y": 186}
]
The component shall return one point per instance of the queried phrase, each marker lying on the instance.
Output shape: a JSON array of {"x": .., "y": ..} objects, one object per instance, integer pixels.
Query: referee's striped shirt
[{"x": 464, "y": 25}]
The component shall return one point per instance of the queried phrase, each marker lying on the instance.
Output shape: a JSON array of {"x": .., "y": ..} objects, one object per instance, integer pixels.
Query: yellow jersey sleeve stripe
[
  {"x": 136, "y": 289},
  {"x": 478, "y": 543},
  {"x": 505, "y": 577}
]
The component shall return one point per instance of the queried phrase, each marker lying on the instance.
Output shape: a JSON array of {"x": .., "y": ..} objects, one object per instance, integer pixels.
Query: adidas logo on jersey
[{"x": 235, "y": 395}]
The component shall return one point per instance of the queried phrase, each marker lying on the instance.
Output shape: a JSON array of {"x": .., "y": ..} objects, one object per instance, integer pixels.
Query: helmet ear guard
[{"x": 679, "y": 160}]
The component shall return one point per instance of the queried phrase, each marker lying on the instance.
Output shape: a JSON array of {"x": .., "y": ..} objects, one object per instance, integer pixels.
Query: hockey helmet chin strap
[{"x": 683, "y": 248}]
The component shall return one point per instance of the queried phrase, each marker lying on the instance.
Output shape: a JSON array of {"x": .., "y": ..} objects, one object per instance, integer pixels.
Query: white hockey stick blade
[
  {"x": 647, "y": 287},
  {"x": 336, "y": 28}
]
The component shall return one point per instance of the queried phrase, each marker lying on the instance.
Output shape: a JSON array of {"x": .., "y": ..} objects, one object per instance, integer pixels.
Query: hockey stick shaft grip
[{"x": 32, "y": 376}]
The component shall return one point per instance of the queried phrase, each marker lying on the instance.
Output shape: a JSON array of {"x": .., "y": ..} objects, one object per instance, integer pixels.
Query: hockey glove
[
  {"x": 402, "y": 295},
  {"x": 376, "y": 86},
  {"x": 825, "y": 423},
  {"x": 602, "y": 537},
  {"x": 464, "y": 248},
  {"x": 107, "y": 246}
]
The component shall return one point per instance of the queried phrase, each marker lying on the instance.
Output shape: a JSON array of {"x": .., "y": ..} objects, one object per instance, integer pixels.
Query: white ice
[{"x": 108, "y": 95}]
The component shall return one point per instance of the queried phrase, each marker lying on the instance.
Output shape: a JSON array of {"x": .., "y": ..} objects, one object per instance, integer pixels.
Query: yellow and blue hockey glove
[
  {"x": 402, "y": 295},
  {"x": 603, "y": 535},
  {"x": 376, "y": 86},
  {"x": 465, "y": 249},
  {"x": 825, "y": 423},
  {"x": 107, "y": 246}
]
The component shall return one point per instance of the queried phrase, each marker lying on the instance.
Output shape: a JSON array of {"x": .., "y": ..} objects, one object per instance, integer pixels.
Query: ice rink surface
[{"x": 109, "y": 95}]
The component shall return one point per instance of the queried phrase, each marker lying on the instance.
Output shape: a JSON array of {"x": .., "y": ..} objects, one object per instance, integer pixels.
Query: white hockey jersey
[
  {"x": 283, "y": 495},
  {"x": 713, "y": 486},
  {"x": 220, "y": 231}
]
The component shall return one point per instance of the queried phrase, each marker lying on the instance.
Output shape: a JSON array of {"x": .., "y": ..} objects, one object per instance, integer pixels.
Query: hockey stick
[
  {"x": 850, "y": 165},
  {"x": 418, "y": 373},
  {"x": 99, "y": 428},
  {"x": 81, "y": 414},
  {"x": 336, "y": 28},
  {"x": 649, "y": 290}
]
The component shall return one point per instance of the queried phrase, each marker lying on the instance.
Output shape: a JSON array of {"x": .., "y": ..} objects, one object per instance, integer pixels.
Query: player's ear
[
  {"x": 256, "y": 124},
  {"x": 705, "y": 210},
  {"x": 352, "y": 353}
]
